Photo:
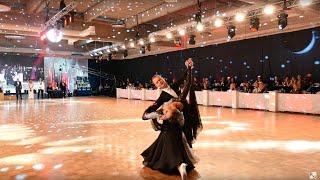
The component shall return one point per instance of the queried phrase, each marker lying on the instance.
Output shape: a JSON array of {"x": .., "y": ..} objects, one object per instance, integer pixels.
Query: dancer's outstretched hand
[{"x": 189, "y": 63}]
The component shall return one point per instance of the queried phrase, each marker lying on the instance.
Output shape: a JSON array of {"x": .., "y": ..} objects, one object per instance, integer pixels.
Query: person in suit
[
  {"x": 18, "y": 86},
  {"x": 63, "y": 88},
  {"x": 168, "y": 92},
  {"x": 49, "y": 91}
]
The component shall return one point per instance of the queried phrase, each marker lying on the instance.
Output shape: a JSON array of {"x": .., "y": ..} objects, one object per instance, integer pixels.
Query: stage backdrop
[
  {"x": 59, "y": 69},
  {"x": 278, "y": 55}
]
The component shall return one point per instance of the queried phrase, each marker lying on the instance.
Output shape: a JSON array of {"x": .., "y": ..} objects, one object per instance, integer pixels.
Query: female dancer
[{"x": 170, "y": 151}]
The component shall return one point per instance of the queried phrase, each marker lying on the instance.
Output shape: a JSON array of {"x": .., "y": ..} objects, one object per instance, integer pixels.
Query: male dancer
[{"x": 168, "y": 92}]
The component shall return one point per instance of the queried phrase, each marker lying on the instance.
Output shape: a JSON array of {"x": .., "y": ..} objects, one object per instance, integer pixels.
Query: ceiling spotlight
[
  {"x": 123, "y": 46},
  {"x": 231, "y": 31},
  {"x": 182, "y": 32},
  {"x": 125, "y": 53},
  {"x": 131, "y": 44},
  {"x": 200, "y": 26},
  {"x": 142, "y": 50},
  {"x": 141, "y": 42},
  {"x": 152, "y": 39},
  {"x": 100, "y": 52},
  {"x": 148, "y": 47},
  {"x": 108, "y": 51},
  {"x": 218, "y": 22},
  {"x": 282, "y": 20},
  {"x": 116, "y": 48},
  {"x": 239, "y": 17},
  {"x": 254, "y": 24},
  {"x": 91, "y": 54},
  {"x": 178, "y": 41},
  {"x": 169, "y": 35},
  {"x": 109, "y": 57},
  {"x": 269, "y": 9},
  {"x": 192, "y": 40}
]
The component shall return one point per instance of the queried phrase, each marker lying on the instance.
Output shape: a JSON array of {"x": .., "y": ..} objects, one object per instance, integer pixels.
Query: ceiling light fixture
[
  {"x": 282, "y": 21},
  {"x": 254, "y": 24},
  {"x": 231, "y": 31}
]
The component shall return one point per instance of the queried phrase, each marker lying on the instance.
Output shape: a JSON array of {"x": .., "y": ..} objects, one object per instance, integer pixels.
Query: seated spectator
[
  {"x": 307, "y": 81},
  {"x": 286, "y": 81},
  {"x": 256, "y": 88},
  {"x": 246, "y": 88},
  {"x": 295, "y": 89},
  {"x": 276, "y": 81},
  {"x": 292, "y": 81},
  {"x": 262, "y": 88},
  {"x": 49, "y": 90},
  {"x": 196, "y": 84},
  {"x": 258, "y": 80},
  {"x": 233, "y": 87}
]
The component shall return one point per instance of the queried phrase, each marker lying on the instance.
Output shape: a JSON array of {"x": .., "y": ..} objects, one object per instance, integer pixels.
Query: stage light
[
  {"x": 91, "y": 54},
  {"x": 200, "y": 26},
  {"x": 182, "y": 32},
  {"x": 131, "y": 44},
  {"x": 109, "y": 57},
  {"x": 254, "y": 24},
  {"x": 54, "y": 35},
  {"x": 152, "y": 39},
  {"x": 100, "y": 52},
  {"x": 123, "y": 46},
  {"x": 125, "y": 53},
  {"x": 240, "y": 17},
  {"x": 192, "y": 40},
  {"x": 148, "y": 47},
  {"x": 43, "y": 35},
  {"x": 115, "y": 48},
  {"x": 169, "y": 35},
  {"x": 177, "y": 41},
  {"x": 141, "y": 42},
  {"x": 231, "y": 31},
  {"x": 269, "y": 9},
  {"x": 282, "y": 20},
  {"x": 218, "y": 22},
  {"x": 142, "y": 50}
]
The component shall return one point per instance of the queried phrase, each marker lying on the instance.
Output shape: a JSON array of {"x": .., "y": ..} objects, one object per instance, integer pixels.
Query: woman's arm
[{"x": 187, "y": 85}]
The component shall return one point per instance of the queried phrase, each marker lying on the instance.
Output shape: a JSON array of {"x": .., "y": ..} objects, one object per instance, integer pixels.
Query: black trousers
[
  {"x": 40, "y": 91},
  {"x": 18, "y": 92}
]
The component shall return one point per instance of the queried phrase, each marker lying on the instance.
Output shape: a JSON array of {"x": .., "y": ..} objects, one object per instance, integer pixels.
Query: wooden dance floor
[{"x": 102, "y": 138}]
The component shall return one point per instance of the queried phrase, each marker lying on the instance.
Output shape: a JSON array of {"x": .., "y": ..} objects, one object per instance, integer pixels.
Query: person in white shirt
[{"x": 40, "y": 88}]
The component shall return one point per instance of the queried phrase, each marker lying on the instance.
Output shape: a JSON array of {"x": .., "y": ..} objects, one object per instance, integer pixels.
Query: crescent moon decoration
[{"x": 310, "y": 46}]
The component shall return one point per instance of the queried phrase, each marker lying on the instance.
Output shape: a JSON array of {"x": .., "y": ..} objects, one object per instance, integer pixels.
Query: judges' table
[
  {"x": 272, "y": 101},
  {"x": 56, "y": 94}
]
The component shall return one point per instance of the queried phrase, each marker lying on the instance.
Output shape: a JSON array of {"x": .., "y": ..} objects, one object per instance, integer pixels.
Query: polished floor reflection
[{"x": 102, "y": 138}]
